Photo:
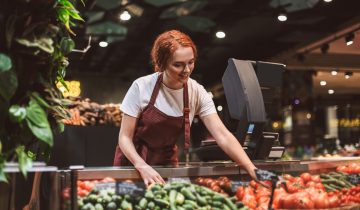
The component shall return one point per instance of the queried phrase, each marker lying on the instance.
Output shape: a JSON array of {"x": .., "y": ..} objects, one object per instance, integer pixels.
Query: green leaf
[
  {"x": 2, "y": 173},
  {"x": 25, "y": 163},
  {"x": 17, "y": 113},
  {"x": 67, "y": 3},
  {"x": 61, "y": 128},
  {"x": 36, "y": 120},
  {"x": 36, "y": 96},
  {"x": 66, "y": 45},
  {"x": 8, "y": 84},
  {"x": 75, "y": 14},
  {"x": 43, "y": 134},
  {"x": 5, "y": 63},
  {"x": 63, "y": 15},
  {"x": 36, "y": 114}
]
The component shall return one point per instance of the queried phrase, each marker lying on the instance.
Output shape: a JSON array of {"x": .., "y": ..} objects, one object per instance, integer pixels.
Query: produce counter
[
  {"x": 122, "y": 187},
  {"x": 196, "y": 169}
]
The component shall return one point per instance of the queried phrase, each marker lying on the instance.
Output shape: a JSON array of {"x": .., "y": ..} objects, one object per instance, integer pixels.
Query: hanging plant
[{"x": 35, "y": 38}]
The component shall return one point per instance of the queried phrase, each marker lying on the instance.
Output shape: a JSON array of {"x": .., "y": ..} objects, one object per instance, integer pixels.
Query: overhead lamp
[
  {"x": 334, "y": 73},
  {"x": 349, "y": 39},
  {"x": 219, "y": 108},
  {"x": 103, "y": 44},
  {"x": 220, "y": 34},
  {"x": 348, "y": 74},
  {"x": 325, "y": 48},
  {"x": 327, "y": 1},
  {"x": 282, "y": 17},
  {"x": 323, "y": 83},
  {"x": 125, "y": 16},
  {"x": 331, "y": 91}
]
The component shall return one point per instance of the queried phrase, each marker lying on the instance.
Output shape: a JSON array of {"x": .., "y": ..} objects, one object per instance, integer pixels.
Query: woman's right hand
[{"x": 149, "y": 175}]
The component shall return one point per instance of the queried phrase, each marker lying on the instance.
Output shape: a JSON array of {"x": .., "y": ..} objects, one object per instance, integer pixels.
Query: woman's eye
[{"x": 177, "y": 65}]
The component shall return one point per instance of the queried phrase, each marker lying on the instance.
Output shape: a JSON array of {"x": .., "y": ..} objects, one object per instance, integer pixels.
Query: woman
[{"x": 159, "y": 107}]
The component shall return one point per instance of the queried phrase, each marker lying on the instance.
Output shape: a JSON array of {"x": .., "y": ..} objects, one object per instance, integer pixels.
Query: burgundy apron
[{"x": 156, "y": 133}]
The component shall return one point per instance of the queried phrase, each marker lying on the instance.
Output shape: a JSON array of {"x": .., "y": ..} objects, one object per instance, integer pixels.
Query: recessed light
[
  {"x": 103, "y": 44},
  {"x": 220, "y": 34},
  {"x": 327, "y": 1},
  {"x": 331, "y": 91},
  {"x": 333, "y": 73},
  {"x": 282, "y": 17},
  {"x": 125, "y": 16},
  {"x": 323, "y": 83}
]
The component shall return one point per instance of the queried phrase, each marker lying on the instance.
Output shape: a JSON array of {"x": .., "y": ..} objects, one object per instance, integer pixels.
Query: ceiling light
[
  {"x": 219, "y": 108},
  {"x": 349, "y": 39},
  {"x": 308, "y": 116},
  {"x": 334, "y": 73},
  {"x": 348, "y": 74},
  {"x": 322, "y": 83},
  {"x": 327, "y": 1},
  {"x": 331, "y": 91},
  {"x": 125, "y": 16},
  {"x": 282, "y": 17},
  {"x": 325, "y": 48},
  {"x": 220, "y": 34},
  {"x": 103, "y": 44}
]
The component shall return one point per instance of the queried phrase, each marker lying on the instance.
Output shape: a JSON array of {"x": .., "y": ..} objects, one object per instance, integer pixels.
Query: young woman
[{"x": 159, "y": 107}]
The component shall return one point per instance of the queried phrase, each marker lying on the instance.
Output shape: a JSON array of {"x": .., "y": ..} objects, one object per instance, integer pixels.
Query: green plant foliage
[{"x": 35, "y": 38}]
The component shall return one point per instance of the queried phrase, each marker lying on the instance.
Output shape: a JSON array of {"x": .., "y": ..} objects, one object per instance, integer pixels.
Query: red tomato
[
  {"x": 288, "y": 177},
  {"x": 253, "y": 184},
  {"x": 240, "y": 193},
  {"x": 278, "y": 193},
  {"x": 321, "y": 200},
  {"x": 293, "y": 187},
  {"x": 334, "y": 201},
  {"x": 316, "y": 178},
  {"x": 249, "y": 198},
  {"x": 82, "y": 193},
  {"x": 300, "y": 200},
  {"x": 305, "y": 177},
  {"x": 341, "y": 168},
  {"x": 319, "y": 186},
  {"x": 310, "y": 184},
  {"x": 299, "y": 181},
  {"x": 108, "y": 179}
]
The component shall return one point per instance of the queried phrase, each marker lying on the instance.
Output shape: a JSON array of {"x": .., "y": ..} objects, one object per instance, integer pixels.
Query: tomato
[
  {"x": 341, "y": 168},
  {"x": 300, "y": 200},
  {"x": 253, "y": 184},
  {"x": 288, "y": 177},
  {"x": 310, "y": 184},
  {"x": 305, "y": 177},
  {"x": 240, "y": 193},
  {"x": 319, "y": 186},
  {"x": 299, "y": 181},
  {"x": 82, "y": 193},
  {"x": 108, "y": 179},
  {"x": 278, "y": 193},
  {"x": 316, "y": 178},
  {"x": 321, "y": 200},
  {"x": 249, "y": 198},
  {"x": 334, "y": 201},
  {"x": 292, "y": 187}
]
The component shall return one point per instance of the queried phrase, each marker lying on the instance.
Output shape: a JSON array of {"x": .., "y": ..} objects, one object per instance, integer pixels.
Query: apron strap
[
  {"x": 186, "y": 118},
  {"x": 156, "y": 89}
]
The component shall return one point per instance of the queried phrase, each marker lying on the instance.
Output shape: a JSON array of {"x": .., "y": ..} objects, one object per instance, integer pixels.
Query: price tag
[
  {"x": 263, "y": 175},
  {"x": 130, "y": 188},
  {"x": 236, "y": 184},
  {"x": 179, "y": 179},
  {"x": 104, "y": 186}
]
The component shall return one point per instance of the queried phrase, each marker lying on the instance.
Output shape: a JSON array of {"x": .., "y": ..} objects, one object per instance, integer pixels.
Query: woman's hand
[{"x": 149, "y": 175}]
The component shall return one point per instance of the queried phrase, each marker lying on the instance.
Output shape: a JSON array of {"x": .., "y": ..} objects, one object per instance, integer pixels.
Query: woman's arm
[
  {"x": 126, "y": 144},
  {"x": 228, "y": 143}
]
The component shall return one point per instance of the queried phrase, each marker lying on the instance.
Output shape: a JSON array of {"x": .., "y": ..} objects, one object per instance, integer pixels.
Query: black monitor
[{"x": 248, "y": 85}]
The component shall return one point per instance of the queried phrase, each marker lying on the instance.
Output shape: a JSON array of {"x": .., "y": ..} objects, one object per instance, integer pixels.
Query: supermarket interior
[{"x": 179, "y": 104}]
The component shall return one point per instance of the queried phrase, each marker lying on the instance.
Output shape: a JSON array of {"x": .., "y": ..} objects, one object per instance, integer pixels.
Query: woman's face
[{"x": 179, "y": 68}]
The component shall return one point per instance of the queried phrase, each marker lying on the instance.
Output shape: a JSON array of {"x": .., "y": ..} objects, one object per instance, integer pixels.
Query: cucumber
[
  {"x": 188, "y": 194},
  {"x": 162, "y": 203},
  {"x": 143, "y": 203},
  {"x": 201, "y": 200},
  {"x": 180, "y": 198}
]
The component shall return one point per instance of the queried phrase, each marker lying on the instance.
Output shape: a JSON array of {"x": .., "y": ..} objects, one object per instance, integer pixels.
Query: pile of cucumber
[
  {"x": 186, "y": 196},
  {"x": 105, "y": 200},
  {"x": 335, "y": 181}
]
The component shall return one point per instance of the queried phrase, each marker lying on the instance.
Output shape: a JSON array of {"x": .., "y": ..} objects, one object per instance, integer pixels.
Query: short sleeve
[
  {"x": 206, "y": 104},
  {"x": 131, "y": 103}
]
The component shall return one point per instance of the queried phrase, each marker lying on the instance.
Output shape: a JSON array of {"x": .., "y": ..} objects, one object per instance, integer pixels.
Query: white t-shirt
[{"x": 168, "y": 100}]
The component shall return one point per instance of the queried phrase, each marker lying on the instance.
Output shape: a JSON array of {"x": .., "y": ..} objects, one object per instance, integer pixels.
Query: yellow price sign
[{"x": 73, "y": 88}]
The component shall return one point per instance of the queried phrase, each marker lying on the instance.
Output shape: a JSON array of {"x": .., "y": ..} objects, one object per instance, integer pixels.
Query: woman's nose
[{"x": 187, "y": 68}]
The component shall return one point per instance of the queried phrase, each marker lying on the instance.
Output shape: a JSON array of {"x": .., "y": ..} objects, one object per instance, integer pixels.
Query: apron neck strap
[
  {"x": 186, "y": 119},
  {"x": 156, "y": 89}
]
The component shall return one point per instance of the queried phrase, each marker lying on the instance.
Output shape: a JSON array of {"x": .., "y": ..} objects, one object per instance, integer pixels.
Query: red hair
[{"x": 166, "y": 44}]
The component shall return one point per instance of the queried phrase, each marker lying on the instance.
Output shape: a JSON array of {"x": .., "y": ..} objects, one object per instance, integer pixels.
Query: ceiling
[{"x": 252, "y": 33}]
